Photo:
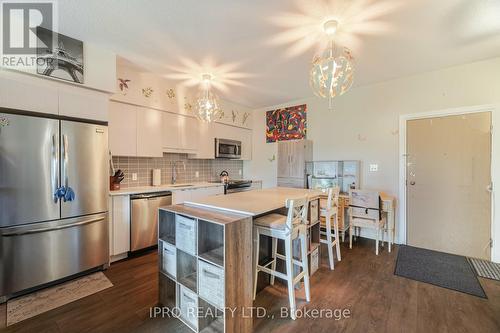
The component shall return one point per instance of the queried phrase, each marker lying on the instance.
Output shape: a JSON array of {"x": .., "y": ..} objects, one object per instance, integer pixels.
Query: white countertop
[
  {"x": 254, "y": 202},
  {"x": 161, "y": 188}
]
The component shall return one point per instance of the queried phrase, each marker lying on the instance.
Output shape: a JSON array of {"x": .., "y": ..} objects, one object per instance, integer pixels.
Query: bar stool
[
  {"x": 331, "y": 212},
  {"x": 286, "y": 228},
  {"x": 365, "y": 212}
]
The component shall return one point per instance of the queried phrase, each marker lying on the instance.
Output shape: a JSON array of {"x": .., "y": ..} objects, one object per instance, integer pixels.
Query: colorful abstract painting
[{"x": 286, "y": 124}]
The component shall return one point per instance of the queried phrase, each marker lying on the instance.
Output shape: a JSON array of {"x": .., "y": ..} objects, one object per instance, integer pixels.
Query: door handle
[
  {"x": 489, "y": 188},
  {"x": 65, "y": 160},
  {"x": 69, "y": 194},
  {"x": 412, "y": 182},
  {"x": 55, "y": 161},
  {"x": 38, "y": 230}
]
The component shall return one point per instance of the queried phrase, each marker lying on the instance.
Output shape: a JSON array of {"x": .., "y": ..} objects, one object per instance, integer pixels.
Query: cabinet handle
[
  {"x": 169, "y": 251},
  {"x": 211, "y": 275},
  {"x": 188, "y": 298}
]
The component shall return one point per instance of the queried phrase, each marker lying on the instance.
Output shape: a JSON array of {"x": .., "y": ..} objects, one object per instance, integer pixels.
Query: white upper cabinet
[
  {"x": 205, "y": 140},
  {"x": 149, "y": 132},
  {"x": 156, "y": 132},
  {"x": 235, "y": 133},
  {"x": 28, "y": 96},
  {"x": 122, "y": 129},
  {"x": 179, "y": 133},
  {"x": 82, "y": 103},
  {"x": 171, "y": 140},
  {"x": 246, "y": 144}
]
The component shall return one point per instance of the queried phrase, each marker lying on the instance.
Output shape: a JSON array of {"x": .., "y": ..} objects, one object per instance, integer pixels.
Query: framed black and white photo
[{"x": 59, "y": 56}]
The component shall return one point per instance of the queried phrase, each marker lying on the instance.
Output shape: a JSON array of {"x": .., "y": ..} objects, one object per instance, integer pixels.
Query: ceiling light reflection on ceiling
[
  {"x": 304, "y": 29},
  {"x": 190, "y": 73}
]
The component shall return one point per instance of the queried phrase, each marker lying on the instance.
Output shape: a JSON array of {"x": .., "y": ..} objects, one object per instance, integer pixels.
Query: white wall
[{"x": 364, "y": 122}]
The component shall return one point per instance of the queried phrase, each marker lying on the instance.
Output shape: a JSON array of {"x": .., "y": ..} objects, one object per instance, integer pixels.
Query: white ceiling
[{"x": 241, "y": 38}]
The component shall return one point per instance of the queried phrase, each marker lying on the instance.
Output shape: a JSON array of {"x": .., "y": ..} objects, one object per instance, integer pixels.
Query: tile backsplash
[{"x": 208, "y": 169}]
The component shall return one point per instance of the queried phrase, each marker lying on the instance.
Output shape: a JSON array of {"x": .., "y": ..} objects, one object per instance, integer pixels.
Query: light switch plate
[
  {"x": 197, "y": 174},
  {"x": 373, "y": 167},
  {"x": 239, "y": 172},
  {"x": 134, "y": 176}
]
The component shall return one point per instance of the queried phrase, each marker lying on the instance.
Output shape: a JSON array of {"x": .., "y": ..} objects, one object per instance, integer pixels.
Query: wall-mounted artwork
[
  {"x": 286, "y": 124},
  {"x": 59, "y": 56}
]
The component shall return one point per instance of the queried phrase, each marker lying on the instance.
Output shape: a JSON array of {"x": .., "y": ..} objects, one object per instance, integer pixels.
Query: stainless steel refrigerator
[{"x": 53, "y": 199}]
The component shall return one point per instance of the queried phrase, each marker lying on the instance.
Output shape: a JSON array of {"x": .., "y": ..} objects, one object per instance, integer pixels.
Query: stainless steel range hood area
[{"x": 53, "y": 199}]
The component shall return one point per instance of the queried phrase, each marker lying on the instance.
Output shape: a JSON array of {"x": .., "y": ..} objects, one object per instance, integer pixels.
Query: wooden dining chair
[
  {"x": 330, "y": 213},
  {"x": 287, "y": 228},
  {"x": 365, "y": 212}
]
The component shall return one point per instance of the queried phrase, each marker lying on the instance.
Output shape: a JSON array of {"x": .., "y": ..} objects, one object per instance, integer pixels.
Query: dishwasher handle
[{"x": 150, "y": 195}]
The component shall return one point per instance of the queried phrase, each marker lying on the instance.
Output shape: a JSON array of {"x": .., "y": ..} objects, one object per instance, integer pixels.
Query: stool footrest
[{"x": 295, "y": 261}]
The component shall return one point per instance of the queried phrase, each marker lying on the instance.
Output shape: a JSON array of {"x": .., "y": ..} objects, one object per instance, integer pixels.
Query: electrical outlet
[
  {"x": 134, "y": 176},
  {"x": 373, "y": 167},
  {"x": 197, "y": 174},
  {"x": 239, "y": 172}
]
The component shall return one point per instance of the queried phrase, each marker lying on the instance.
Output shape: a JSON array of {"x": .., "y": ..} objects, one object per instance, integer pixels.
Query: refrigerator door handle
[
  {"x": 65, "y": 160},
  {"x": 55, "y": 174},
  {"x": 68, "y": 193},
  {"x": 37, "y": 230}
]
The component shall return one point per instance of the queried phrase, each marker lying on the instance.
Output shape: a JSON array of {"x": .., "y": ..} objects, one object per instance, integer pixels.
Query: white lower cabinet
[
  {"x": 119, "y": 225},
  {"x": 188, "y": 306},
  {"x": 211, "y": 283}
]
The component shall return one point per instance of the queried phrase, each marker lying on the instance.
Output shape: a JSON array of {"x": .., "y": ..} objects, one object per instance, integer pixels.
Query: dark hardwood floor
[{"x": 363, "y": 283}]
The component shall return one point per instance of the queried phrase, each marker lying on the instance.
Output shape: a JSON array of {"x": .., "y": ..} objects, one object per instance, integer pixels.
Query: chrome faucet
[{"x": 174, "y": 170}]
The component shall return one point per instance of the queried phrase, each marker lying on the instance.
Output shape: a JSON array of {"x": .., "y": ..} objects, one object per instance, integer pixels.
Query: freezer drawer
[{"x": 39, "y": 253}]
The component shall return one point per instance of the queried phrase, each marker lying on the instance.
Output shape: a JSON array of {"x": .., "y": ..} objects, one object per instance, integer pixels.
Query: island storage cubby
[
  {"x": 212, "y": 271},
  {"x": 168, "y": 255},
  {"x": 185, "y": 234},
  {"x": 167, "y": 290},
  {"x": 188, "y": 306},
  {"x": 212, "y": 320},
  {"x": 211, "y": 242},
  {"x": 186, "y": 270},
  {"x": 166, "y": 226}
]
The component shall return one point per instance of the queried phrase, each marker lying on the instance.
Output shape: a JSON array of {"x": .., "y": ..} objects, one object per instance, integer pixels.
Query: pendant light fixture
[
  {"x": 207, "y": 104},
  {"x": 332, "y": 71}
]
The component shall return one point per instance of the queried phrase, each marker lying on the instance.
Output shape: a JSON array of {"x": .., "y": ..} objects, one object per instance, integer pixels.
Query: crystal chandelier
[
  {"x": 207, "y": 105},
  {"x": 332, "y": 71}
]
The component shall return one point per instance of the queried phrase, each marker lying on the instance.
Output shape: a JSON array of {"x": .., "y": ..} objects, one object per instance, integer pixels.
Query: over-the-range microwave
[{"x": 225, "y": 148}]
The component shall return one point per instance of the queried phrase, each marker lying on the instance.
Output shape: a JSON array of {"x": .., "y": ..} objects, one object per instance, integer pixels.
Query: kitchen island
[
  {"x": 254, "y": 203},
  {"x": 205, "y": 255}
]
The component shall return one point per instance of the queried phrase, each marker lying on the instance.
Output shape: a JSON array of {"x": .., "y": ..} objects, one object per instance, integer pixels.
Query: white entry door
[{"x": 448, "y": 178}]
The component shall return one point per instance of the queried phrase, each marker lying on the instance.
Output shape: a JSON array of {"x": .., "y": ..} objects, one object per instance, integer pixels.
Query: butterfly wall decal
[{"x": 123, "y": 84}]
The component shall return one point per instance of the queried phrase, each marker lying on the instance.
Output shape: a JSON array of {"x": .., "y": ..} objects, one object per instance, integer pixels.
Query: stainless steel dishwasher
[{"x": 144, "y": 218}]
